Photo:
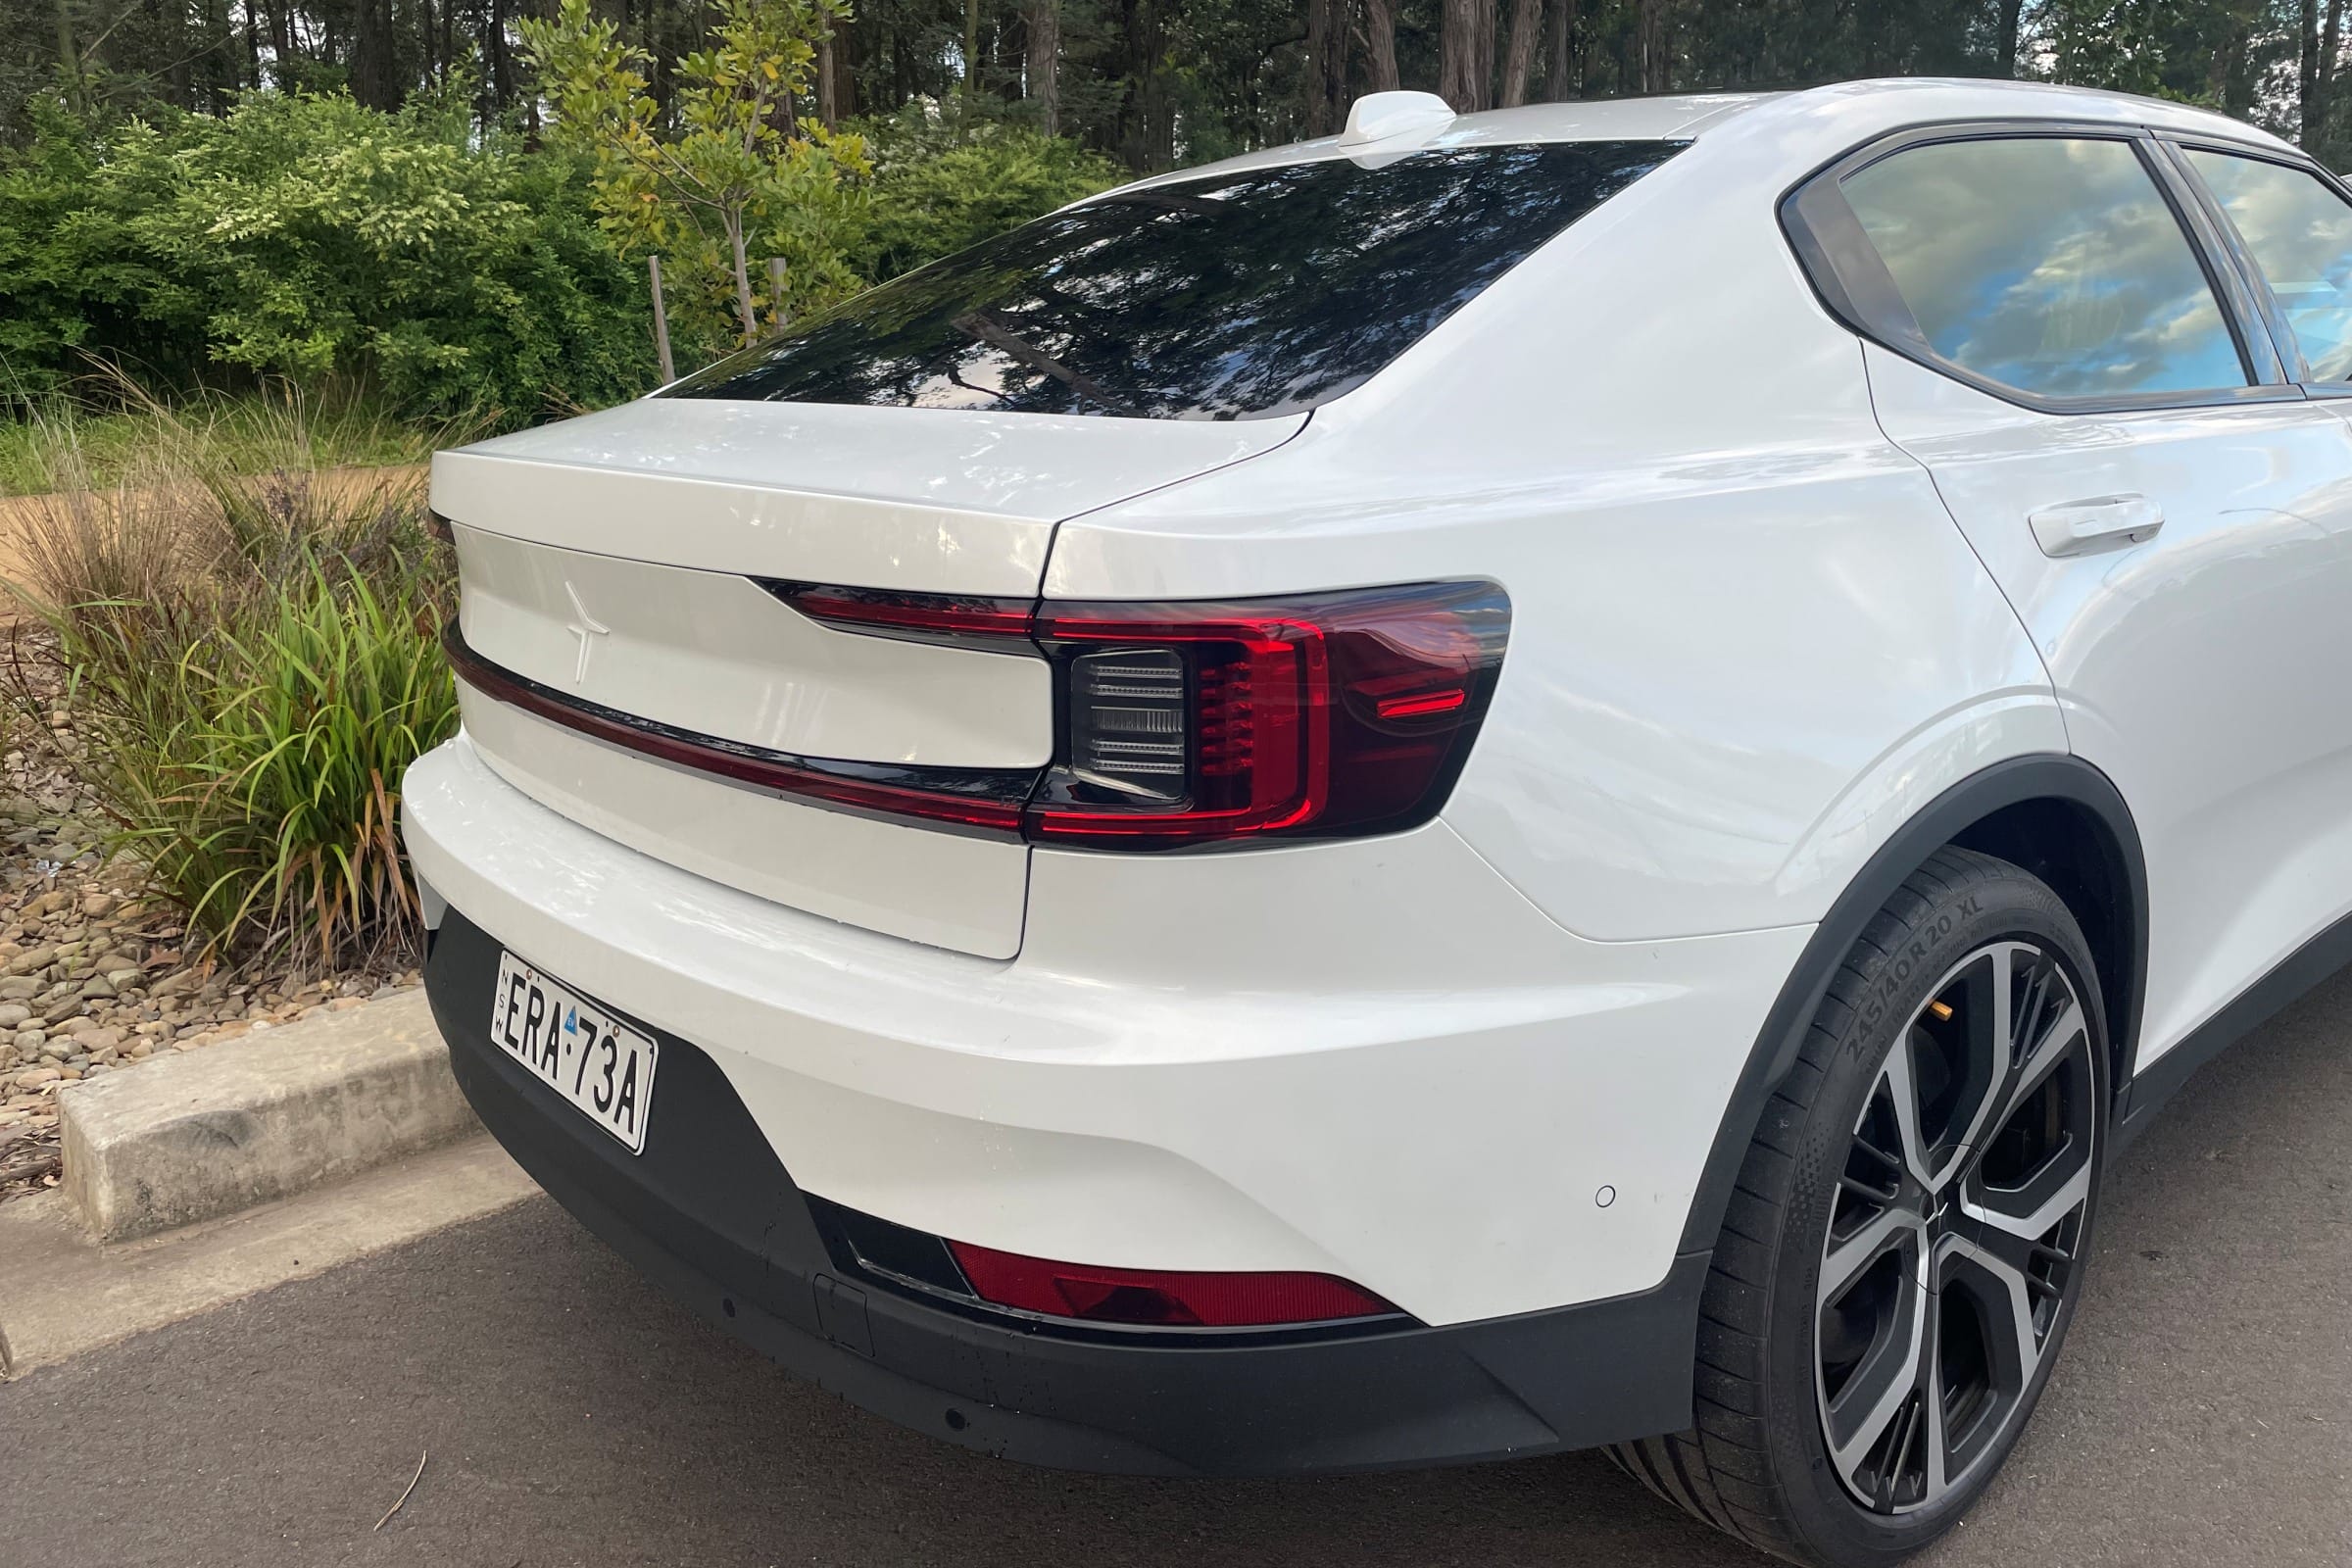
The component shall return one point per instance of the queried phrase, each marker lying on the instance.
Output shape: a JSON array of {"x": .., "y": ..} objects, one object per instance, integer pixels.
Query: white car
[{"x": 1498, "y": 784}]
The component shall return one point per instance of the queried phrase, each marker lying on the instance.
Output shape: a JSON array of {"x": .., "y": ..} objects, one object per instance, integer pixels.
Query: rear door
[{"x": 2086, "y": 376}]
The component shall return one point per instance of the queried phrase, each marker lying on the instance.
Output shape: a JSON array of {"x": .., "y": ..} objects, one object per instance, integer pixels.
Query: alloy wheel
[{"x": 1956, "y": 1236}]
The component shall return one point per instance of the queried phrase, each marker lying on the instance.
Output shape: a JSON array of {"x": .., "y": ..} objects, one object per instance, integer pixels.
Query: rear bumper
[
  {"x": 1373, "y": 1059},
  {"x": 711, "y": 1213}
]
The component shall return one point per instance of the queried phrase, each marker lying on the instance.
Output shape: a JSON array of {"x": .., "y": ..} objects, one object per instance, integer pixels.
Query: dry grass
[
  {"x": 252, "y": 659},
  {"x": 114, "y": 428}
]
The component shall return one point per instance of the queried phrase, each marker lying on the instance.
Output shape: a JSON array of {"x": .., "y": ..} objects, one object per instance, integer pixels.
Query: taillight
[
  {"x": 1331, "y": 715},
  {"x": 1160, "y": 1298},
  {"x": 909, "y": 618},
  {"x": 1179, "y": 725}
]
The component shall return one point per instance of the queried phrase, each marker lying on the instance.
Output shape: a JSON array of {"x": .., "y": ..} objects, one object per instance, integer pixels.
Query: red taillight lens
[
  {"x": 1339, "y": 714},
  {"x": 1188, "y": 725},
  {"x": 1157, "y": 1296},
  {"x": 911, "y": 617}
]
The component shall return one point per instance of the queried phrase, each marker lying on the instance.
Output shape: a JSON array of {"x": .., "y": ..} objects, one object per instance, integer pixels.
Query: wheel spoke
[
  {"x": 1875, "y": 1396},
  {"x": 2014, "y": 1315},
  {"x": 1902, "y": 1091},
  {"x": 2058, "y": 1192},
  {"x": 1990, "y": 1057},
  {"x": 2045, "y": 1052},
  {"x": 1849, "y": 1259},
  {"x": 1938, "y": 1439}
]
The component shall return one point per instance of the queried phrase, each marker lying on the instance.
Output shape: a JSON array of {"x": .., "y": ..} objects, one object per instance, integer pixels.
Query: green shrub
[
  {"x": 252, "y": 664},
  {"x": 940, "y": 186},
  {"x": 310, "y": 238},
  {"x": 267, "y": 801}
]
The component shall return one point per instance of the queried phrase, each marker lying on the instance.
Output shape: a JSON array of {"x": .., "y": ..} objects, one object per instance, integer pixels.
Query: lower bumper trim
[{"x": 711, "y": 1216}]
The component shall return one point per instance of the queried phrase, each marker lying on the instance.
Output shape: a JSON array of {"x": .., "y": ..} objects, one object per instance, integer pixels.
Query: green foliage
[
  {"x": 939, "y": 187},
  {"x": 728, "y": 169},
  {"x": 263, "y": 781},
  {"x": 310, "y": 238},
  {"x": 252, "y": 664}
]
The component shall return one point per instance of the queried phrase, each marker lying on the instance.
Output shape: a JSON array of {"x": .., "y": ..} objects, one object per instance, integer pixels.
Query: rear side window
[
  {"x": 1259, "y": 293},
  {"x": 2299, "y": 232},
  {"x": 2047, "y": 264}
]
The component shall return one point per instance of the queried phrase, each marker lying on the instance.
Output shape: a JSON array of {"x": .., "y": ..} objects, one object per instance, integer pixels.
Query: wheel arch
[{"x": 2057, "y": 816}]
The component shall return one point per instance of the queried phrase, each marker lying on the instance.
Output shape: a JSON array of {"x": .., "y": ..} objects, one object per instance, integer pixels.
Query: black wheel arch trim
[{"x": 1945, "y": 819}]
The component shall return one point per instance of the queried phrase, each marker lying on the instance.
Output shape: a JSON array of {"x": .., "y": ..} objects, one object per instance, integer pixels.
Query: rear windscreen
[{"x": 1226, "y": 297}]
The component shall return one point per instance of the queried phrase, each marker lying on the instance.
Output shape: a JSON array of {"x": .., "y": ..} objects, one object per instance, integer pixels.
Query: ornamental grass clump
[{"x": 250, "y": 664}]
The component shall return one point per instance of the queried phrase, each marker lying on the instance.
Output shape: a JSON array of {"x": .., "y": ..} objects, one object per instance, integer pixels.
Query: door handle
[{"x": 2073, "y": 528}]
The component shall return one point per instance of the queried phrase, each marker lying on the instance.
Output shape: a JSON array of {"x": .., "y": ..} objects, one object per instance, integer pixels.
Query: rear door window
[
  {"x": 2052, "y": 264},
  {"x": 2299, "y": 232},
  {"x": 1232, "y": 296}
]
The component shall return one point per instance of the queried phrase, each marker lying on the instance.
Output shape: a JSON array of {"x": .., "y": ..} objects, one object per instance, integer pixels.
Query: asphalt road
[{"x": 2203, "y": 1413}]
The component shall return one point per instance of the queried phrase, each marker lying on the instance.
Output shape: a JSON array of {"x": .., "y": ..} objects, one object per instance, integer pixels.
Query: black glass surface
[
  {"x": 1232, "y": 296},
  {"x": 2047, "y": 264},
  {"x": 2300, "y": 234}
]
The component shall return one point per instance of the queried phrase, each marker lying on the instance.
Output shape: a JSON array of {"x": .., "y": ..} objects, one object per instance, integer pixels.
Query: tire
[{"x": 1815, "y": 1438}]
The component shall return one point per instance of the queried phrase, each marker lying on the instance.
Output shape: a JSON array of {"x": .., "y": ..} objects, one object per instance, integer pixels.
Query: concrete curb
[
  {"x": 221, "y": 1129},
  {"x": 62, "y": 1293}
]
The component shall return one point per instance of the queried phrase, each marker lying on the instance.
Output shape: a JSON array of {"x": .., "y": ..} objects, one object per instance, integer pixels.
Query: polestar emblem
[{"x": 587, "y": 628}]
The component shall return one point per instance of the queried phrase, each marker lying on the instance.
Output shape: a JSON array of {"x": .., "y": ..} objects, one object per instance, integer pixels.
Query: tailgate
[{"x": 619, "y": 565}]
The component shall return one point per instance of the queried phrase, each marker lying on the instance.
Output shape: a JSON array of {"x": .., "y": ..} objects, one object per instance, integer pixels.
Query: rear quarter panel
[{"x": 1747, "y": 641}]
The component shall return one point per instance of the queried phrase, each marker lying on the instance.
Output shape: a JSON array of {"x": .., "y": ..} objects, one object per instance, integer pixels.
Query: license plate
[{"x": 603, "y": 1067}]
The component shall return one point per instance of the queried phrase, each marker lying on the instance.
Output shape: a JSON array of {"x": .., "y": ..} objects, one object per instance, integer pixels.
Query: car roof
[{"x": 1854, "y": 111}]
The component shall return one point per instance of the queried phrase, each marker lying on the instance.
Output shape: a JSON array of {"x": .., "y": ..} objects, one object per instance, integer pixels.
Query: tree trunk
[
  {"x": 281, "y": 40},
  {"x": 182, "y": 80},
  {"x": 1658, "y": 72},
  {"x": 1467, "y": 55},
  {"x": 2331, "y": 41},
  {"x": 827, "y": 109},
  {"x": 846, "y": 43},
  {"x": 1519, "y": 61},
  {"x": 1042, "y": 62},
  {"x": 500, "y": 61},
  {"x": 2011, "y": 16},
  {"x": 669, "y": 368},
  {"x": 742, "y": 277},
  {"x": 1559, "y": 53},
  {"x": 1326, "y": 66},
  {"x": 775, "y": 294},
  {"x": 68, "y": 59},
  {"x": 2312, "y": 109},
  {"x": 1380, "y": 47},
  {"x": 971, "y": 46},
  {"x": 372, "y": 81},
  {"x": 1147, "y": 136}
]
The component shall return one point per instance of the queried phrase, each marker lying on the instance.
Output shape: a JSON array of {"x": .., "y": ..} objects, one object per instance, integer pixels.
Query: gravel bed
[{"x": 96, "y": 974}]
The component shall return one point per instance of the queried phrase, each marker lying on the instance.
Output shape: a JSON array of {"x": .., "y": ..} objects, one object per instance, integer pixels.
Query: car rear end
[{"x": 1071, "y": 1028}]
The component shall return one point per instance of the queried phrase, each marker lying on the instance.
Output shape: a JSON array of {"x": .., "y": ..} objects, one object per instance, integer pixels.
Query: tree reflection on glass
[
  {"x": 2047, "y": 264},
  {"x": 1259, "y": 293}
]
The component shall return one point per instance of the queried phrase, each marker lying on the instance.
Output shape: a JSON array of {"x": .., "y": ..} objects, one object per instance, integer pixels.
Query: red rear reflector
[
  {"x": 1419, "y": 707},
  {"x": 1160, "y": 1298}
]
